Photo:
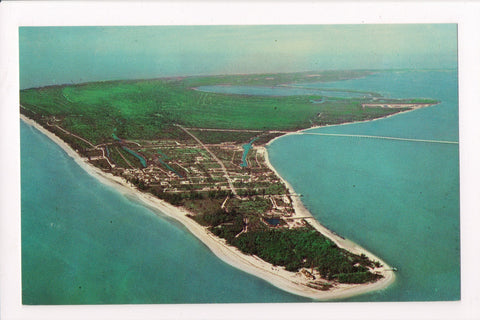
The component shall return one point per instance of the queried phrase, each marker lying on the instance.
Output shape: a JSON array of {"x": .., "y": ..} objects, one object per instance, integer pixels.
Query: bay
[
  {"x": 83, "y": 242},
  {"x": 398, "y": 199}
]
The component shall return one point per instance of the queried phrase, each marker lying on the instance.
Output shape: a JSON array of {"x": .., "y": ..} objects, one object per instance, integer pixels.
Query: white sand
[{"x": 292, "y": 282}]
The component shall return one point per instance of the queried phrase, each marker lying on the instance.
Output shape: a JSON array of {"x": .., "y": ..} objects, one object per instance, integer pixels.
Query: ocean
[
  {"x": 84, "y": 243},
  {"x": 398, "y": 199}
]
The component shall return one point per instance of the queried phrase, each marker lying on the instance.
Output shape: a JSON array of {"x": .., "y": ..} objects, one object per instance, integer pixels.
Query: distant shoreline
[{"x": 277, "y": 276}]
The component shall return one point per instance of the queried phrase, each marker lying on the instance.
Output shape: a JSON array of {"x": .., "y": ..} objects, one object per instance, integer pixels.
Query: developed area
[{"x": 205, "y": 152}]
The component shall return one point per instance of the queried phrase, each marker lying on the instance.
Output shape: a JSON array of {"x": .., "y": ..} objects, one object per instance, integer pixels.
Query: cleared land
[{"x": 186, "y": 147}]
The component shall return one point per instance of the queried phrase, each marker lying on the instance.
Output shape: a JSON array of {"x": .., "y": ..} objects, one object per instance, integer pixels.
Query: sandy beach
[{"x": 291, "y": 282}]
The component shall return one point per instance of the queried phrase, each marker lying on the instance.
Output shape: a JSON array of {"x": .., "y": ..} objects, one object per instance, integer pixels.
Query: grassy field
[{"x": 147, "y": 109}]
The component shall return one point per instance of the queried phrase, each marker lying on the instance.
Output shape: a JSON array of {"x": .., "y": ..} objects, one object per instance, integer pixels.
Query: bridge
[{"x": 377, "y": 137}]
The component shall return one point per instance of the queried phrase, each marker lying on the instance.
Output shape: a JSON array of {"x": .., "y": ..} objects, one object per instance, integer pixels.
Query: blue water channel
[
  {"x": 246, "y": 149},
  {"x": 136, "y": 155},
  {"x": 166, "y": 164}
]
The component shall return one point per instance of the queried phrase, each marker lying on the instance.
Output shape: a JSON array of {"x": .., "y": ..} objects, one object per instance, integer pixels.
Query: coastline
[
  {"x": 348, "y": 123},
  {"x": 287, "y": 281}
]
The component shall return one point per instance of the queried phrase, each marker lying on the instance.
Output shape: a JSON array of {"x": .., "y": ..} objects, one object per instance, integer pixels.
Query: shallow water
[
  {"x": 84, "y": 243},
  {"x": 398, "y": 199}
]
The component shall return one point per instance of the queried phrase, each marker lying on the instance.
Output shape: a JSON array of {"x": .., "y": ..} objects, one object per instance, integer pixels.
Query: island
[{"x": 192, "y": 148}]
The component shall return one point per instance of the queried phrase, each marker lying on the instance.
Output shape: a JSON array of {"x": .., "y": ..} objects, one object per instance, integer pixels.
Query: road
[{"x": 229, "y": 180}]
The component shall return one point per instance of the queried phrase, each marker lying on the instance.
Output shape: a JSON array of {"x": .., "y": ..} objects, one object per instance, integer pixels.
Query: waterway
[
  {"x": 399, "y": 199},
  {"x": 82, "y": 242},
  {"x": 246, "y": 148}
]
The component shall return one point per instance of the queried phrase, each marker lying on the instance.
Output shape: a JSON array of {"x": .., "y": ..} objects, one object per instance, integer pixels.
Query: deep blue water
[{"x": 398, "y": 199}]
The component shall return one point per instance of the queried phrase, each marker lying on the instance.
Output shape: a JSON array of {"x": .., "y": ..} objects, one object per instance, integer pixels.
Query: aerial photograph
[{"x": 239, "y": 164}]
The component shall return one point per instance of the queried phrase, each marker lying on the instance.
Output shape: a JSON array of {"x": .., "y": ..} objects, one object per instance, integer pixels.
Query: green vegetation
[
  {"x": 147, "y": 109},
  {"x": 224, "y": 136},
  {"x": 295, "y": 249},
  {"x": 156, "y": 130},
  {"x": 273, "y": 79}
]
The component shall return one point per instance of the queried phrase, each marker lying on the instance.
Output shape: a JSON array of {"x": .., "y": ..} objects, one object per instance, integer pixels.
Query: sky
[{"x": 57, "y": 55}]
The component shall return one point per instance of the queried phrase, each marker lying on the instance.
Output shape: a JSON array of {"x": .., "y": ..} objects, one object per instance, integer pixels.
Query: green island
[{"x": 205, "y": 152}]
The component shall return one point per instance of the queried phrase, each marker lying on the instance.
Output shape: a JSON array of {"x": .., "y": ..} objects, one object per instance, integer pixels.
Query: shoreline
[
  {"x": 288, "y": 281},
  {"x": 297, "y": 132}
]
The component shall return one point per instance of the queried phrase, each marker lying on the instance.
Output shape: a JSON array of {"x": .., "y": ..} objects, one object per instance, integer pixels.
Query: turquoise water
[
  {"x": 84, "y": 243},
  {"x": 136, "y": 155},
  {"x": 58, "y": 55},
  {"x": 168, "y": 167},
  {"x": 246, "y": 148},
  {"x": 398, "y": 199}
]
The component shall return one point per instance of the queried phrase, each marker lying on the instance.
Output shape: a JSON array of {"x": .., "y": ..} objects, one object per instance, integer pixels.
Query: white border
[{"x": 15, "y": 14}]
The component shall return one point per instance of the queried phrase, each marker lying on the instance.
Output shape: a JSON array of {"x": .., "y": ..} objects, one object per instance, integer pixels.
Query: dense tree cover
[
  {"x": 305, "y": 248},
  {"x": 291, "y": 248},
  {"x": 358, "y": 277},
  {"x": 180, "y": 198}
]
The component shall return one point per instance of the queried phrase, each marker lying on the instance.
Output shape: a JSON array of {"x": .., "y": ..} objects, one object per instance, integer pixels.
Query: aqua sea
[
  {"x": 398, "y": 199},
  {"x": 84, "y": 243}
]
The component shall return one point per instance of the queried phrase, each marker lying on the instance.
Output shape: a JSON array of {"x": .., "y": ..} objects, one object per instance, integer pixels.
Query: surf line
[{"x": 376, "y": 137}]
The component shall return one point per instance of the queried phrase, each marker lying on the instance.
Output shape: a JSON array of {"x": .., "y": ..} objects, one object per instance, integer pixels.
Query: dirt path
[{"x": 72, "y": 134}]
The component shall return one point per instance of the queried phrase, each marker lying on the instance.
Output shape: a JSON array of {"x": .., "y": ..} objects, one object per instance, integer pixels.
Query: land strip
[
  {"x": 294, "y": 283},
  {"x": 179, "y": 152}
]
